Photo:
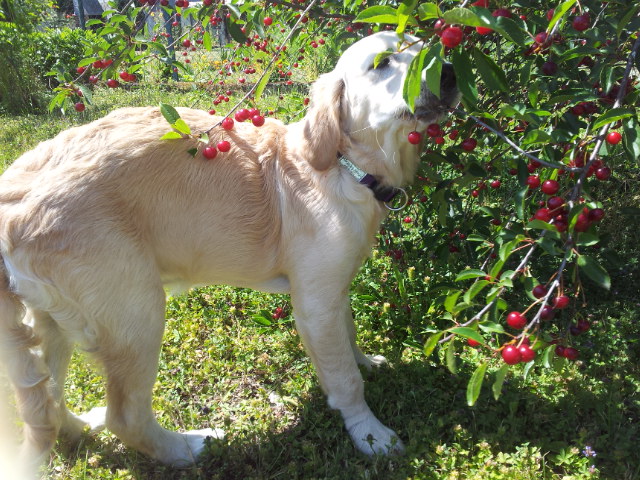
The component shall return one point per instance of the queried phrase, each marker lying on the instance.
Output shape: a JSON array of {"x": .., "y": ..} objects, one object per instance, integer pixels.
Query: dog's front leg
[{"x": 321, "y": 310}]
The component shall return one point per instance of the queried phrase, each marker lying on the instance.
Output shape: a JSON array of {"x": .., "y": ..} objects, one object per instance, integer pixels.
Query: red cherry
[
  {"x": 257, "y": 120},
  {"x": 414, "y": 137},
  {"x": 555, "y": 202},
  {"x": 595, "y": 215},
  {"x": 582, "y": 223},
  {"x": 481, "y": 3},
  {"x": 79, "y": 107},
  {"x": 603, "y": 173},
  {"x": 583, "y": 325},
  {"x": 547, "y": 313},
  {"x": 560, "y": 350},
  {"x": 451, "y": 37},
  {"x": 543, "y": 214},
  {"x": 80, "y": 70},
  {"x": 227, "y": 123},
  {"x": 550, "y": 14},
  {"x": 501, "y": 12},
  {"x": 539, "y": 291},
  {"x": 93, "y": 79},
  {"x": 541, "y": 38},
  {"x": 495, "y": 183},
  {"x": 469, "y": 144},
  {"x": 434, "y": 130},
  {"x": 614, "y": 138},
  {"x": 224, "y": 146},
  {"x": 186, "y": 43},
  {"x": 407, "y": 220},
  {"x": 550, "y": 187},
  {"x": 571, "y": 353},
  {"x": 268, "y": 21},
  {"x": 242, "y": 115},
  {"x": 484, "y": 30},
  {"x": 526, "y": 353},
  {"x": 581, "y": 22},
  {"x": 561, "y": 301},
  {"x": 533, "y": 181},
  {"x": 549, "y": 68},
  {"x": 516, "y": 320},
  {"x": 511, "y": 355},
  {"x": 209, "y": 152},
  {"x": 112, "y": 83},
  {"x": 472, "y": 343}
]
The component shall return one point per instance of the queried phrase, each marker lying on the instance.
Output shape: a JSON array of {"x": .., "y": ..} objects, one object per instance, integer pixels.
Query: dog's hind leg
[
  {"x": 56, "y": 352},
  {"x": 320, "y": 310},
  {"x": 129, "y": 351}
]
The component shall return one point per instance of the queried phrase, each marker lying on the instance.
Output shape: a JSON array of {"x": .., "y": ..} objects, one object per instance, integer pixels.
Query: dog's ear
[{"x": 322, "y": 131}]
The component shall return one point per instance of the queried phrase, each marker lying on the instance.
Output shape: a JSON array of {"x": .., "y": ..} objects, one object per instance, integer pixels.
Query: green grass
[{"x": 221, "y": 368}]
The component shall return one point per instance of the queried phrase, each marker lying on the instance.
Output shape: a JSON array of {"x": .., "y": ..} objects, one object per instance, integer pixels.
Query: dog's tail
[{"x": 29, "y": 376}]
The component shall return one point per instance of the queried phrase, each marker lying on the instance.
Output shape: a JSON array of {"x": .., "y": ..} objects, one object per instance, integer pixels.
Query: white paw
[
  {"x": 376, "y": 360},
  {"x": 371, "y": 437},
  {"x": 95, "y": 419},
  {"x": 370, "y": 361},
  {"x": 196, "y": 438}
]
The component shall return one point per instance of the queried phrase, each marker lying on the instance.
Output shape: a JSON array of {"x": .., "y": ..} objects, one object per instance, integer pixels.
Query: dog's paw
[
  {"x": 371, "y": 437},
  {"x": 197, "y": 438},
  {"x": 375, "y": 361},
  {"x": 369, "y": 361},
  {"x": 95, "y": 419}
]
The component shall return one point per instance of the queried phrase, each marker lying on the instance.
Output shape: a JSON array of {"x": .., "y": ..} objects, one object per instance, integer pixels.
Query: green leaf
[
  {"x": 474, "y": 290},
  {"x": 192, "y": 151},
  {"x": 235, "y": 31},
  {"x": 471, "y": 273},
  {"x": 631, "y": 138},
  {"x": 475, "y": 384},
  {"x": 263, "y": 83},
  {"x": 169, "y": 113},
  {"x": 171, "y": 136},
  {"x": 432, "y": 342},
  {"x": 450, "y": 302},
  {"x": 378, "y": 14},
  {"x": 501, "y": 374},
  {"x": 433, "y": 66},
  {"x": 463, "y": 16},
  {"x": 540, "y": 225},
  {"x": 465, "y": 78},
  {"x": 405, "y": 14},
  {"x": 467, "y": 332},
  {"x": 613, "y": 115},
  {"x": 491, "y": 327},
  {"x": 182, "y": 126},
  {"x": 413, "y": 82},
  {"x": 559, "y": 13},
  {"x": 261, "y": 320},
  {"x": 451, "y": 357},
  {"x": 206, "y": 40},
  {"x": 427, "y": 11},
  {"x": 381, "y": 56},
  {"x": 491, "y": 74},
  {"x": 594, "y": 271}
]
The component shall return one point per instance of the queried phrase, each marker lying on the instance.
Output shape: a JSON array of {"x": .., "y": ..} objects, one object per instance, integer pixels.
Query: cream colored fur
[{"x": 97, "y": 221}]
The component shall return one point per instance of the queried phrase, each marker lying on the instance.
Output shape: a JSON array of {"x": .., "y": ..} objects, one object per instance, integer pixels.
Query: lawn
[{"x": 224, "y": 366}]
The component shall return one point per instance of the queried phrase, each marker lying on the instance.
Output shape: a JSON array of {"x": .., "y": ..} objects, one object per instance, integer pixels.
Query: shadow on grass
[{"x": 426, "y": 405}]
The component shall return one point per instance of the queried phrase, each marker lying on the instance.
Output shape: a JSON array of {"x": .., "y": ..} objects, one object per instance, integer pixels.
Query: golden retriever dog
[{"x": 95, "y": 223}]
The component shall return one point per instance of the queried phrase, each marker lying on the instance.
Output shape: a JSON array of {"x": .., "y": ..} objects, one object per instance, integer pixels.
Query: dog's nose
[{"x": 448, "y": 77}]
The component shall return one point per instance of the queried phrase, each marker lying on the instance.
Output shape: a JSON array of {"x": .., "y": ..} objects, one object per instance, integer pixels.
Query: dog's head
[{"x": 359, "y": 101}]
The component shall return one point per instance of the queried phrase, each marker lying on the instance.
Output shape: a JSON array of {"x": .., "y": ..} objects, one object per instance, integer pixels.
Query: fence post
[
  {"x": 172, "y": 53},
  {"x": 78, "y": 6}
]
